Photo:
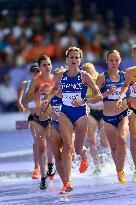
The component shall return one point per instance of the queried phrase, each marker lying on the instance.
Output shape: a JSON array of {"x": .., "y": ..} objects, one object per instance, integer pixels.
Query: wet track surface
[
  {"x": 17, "y": 187},
  {"x": 27, "y": 192}
]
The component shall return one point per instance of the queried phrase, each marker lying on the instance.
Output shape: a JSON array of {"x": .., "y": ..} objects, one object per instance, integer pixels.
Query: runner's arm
[
  {"x": 88, "y": 80},
  {"x": 20, "y": 93},
  {"x": 32, "y": 91},
  {"x": 56, "y": 89},
  {"x": 100, "y": 83}
]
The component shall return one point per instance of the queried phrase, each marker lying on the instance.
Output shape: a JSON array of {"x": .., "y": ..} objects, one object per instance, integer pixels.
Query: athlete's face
[
  {"x": 73, "y": 60},
  {"x": 45, "y": 66},
  {"x": 34, "y": 74},
  {"x": 113, "y": 61},
  {"x": 134, "y": 85},
  {"x": 57, "y": 76}
]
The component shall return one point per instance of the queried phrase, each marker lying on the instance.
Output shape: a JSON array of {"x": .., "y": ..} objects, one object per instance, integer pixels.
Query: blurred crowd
[
  {"x": 24, "y": 35},
  {"x": 27, "y": 33}
]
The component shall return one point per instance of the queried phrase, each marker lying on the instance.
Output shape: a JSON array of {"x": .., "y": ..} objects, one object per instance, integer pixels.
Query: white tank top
[{"x": 31, "y": 104}]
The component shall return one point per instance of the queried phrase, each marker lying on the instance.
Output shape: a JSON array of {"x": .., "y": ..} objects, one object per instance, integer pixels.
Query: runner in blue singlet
[{"x": 115, "y": 118}]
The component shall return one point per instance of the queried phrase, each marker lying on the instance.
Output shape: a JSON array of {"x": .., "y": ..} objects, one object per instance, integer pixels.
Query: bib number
[
  {"x": 41, "y": 98},
  {"x": 67, "y": 98},
  {"x": 115, "y": 96}
]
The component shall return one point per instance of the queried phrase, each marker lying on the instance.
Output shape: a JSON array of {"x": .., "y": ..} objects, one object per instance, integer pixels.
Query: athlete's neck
[
  {"x": 113, "y": 73},
  {"x": 72, "y": 71},
  {"x": 46, "y": 76}
]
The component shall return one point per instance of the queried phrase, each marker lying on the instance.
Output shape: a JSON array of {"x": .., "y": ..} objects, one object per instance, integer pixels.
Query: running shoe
[
  {"x": 43, "y": 183},
  {"x": 51, "y": 170},
  {"x": 121, "y": 177},
  {"x": 134, "y": 176},
  {"x": 36, "y": 173},
  {"x": 83, "y": 165},
  {"x": 66, "y": 188}
]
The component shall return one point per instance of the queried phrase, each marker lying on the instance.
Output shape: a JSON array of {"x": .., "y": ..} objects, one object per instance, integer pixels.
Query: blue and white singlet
[
  {"x": 109, "y": 83},
  {"x": 73, "y": 88}
]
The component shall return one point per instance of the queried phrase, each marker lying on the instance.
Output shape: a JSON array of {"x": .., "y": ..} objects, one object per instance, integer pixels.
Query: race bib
[
  {"x": 67, "y": 98},
  {"x": 56, "y": 109},
  {"x": 129, "y": 112},
  {"x": 42, "y": 98},
  {"x": 115, "y": 96},
  {"x": 132, "y": 92}
]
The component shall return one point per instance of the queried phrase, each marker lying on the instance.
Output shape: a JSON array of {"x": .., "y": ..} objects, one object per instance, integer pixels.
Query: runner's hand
[
  {"x": 77, "y": 102},
  {"x": 119, "y": 102},
  {"x": 21, "y": 108}
]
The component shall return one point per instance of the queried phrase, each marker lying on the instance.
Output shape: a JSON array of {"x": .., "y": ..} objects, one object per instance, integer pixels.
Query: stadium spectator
[
  {"x": 39, "y": 48},
  {"x": 8, "y": 95},
  {"x": 43, "y": 28}
]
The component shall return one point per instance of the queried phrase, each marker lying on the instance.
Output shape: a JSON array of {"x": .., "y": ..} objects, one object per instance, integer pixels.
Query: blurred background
[{"x": 29, "y": 28}]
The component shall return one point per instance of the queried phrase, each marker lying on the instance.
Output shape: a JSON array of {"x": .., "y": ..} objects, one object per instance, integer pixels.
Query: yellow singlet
[{"x": 89, "y": 91}]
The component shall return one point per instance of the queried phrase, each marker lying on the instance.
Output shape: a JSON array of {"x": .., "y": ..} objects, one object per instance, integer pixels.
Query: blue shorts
[
  {"x": 74, "y": 113},
  {"x": 55, "y": 124},
  {"x": 115, "y": 120}
]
